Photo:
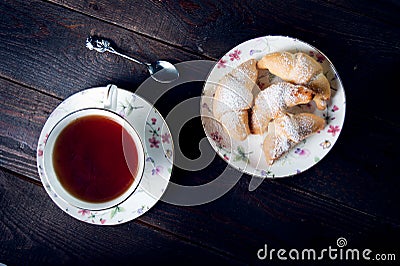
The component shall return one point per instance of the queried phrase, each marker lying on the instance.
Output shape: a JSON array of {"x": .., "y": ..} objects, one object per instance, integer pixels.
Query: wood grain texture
[
  {"x": 358, "y": 45},
  {"x": 36, "y": 232},
  {"x": 43, "y": 47},
  {"x": 240, "y": 222},
  {"x": 23, "y": 114},
  {"x": 364, "y": 49},
  {"x": 43, "y": 234},
  {"x": 350, "y": 182},
  {"x": 360, "y": 50},
  {"x": 381, "y": 10},
  {"x": 213, "y": 27},
  {"x": 351, "y": 193},
  {"x": 364, "y": 159},
  {"x": 359, "y": 171},
  {"x": 366, "y": 181}
]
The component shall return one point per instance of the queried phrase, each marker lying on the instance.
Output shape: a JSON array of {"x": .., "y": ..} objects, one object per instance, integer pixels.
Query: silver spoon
[{"x": 161, "y": 71}]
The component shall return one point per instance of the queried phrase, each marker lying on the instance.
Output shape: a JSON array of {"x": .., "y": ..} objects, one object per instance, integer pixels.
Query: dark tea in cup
[{"x": 97, "y": 159}]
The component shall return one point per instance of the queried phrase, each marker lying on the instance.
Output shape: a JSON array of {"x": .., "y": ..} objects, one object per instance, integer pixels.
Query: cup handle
[{"x": 110, "y": 97}]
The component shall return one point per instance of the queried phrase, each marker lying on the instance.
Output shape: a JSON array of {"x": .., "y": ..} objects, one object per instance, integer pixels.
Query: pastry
[
  {"x": 289, "y": 130},
  {"x": 274, "y": 101},
  {"x": 247, "y": 101},
  {"x": 301, "y": 69},
  {"x": 236, "y": 124},
  {"x": 234, "y": 97}
]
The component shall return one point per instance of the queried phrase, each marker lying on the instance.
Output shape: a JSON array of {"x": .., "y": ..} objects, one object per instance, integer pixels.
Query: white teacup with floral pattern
[{"x": 85, "y": 180}]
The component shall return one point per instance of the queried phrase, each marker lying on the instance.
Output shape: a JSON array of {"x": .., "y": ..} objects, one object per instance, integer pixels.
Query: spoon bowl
[{"x": 163, "y": 71}]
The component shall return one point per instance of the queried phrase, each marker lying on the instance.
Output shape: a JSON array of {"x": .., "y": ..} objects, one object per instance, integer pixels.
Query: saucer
[
  {"x": 158, "y": 147},
  {"x": 247, "y": 155}
]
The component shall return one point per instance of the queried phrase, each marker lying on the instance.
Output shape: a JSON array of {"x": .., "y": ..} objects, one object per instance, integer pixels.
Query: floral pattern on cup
[{"x": 139, "y": 113}]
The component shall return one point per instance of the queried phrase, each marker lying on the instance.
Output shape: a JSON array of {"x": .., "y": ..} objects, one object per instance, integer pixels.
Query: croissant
[
  {"x": 233, "y": 99},
  {"x": 274, "y": 101},
  {"x": 300, "y": 69},
  {"x": 290, "y": 129}
]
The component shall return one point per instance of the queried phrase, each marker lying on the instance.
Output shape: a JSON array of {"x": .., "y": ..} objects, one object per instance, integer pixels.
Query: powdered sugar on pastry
[
  {"x": 233, "y": 98},
  {"x": 290, "y": 130},
  {"x": 300, "y": 69},
  {"x": 274, "y": 101},
  {"x": 304, "y": 68},
  {"x": 236, "y": 124}
]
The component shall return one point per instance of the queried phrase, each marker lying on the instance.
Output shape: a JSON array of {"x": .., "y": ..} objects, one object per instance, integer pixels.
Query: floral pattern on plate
[
  {"x": 158, "y": 146},
  {"x": 247, "y": 155}
]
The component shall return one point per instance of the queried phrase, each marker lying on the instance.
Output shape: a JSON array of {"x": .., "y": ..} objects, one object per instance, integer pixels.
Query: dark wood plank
[
  {"x": 33, "y": 231},
  {"x": 213, "y": 27},
  {"x": 363, "y": 49},
  {"x": 41, "y": 232},
  {"x": 279, "y": 212},
  {"x": 240, "y": 222},
  {"x": 386, "y": 11},
  {"x": 359, "y": 172},
  {"x": 43, "y": 47},
  {"x": 23, "y": 114},
  {"x": 366, "y": 181},
  {"x": 364, "y": 161}
]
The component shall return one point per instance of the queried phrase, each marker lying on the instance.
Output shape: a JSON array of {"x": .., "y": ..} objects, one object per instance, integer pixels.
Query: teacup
[{"x": 93, "y": 157}]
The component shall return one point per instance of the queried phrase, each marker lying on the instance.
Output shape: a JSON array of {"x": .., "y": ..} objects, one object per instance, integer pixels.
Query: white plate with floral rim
[
  {"x": 247, "y": 156},
  {"x": 158, "y": 146}
]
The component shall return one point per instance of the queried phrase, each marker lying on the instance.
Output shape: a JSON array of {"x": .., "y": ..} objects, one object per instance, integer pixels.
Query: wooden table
[{"x": 352, "y": 193}]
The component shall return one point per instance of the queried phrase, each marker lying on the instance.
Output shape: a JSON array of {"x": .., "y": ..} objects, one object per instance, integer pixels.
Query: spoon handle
[
  {"x": 111, "y": 50},
  {"x": 102, "y": 45}
]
